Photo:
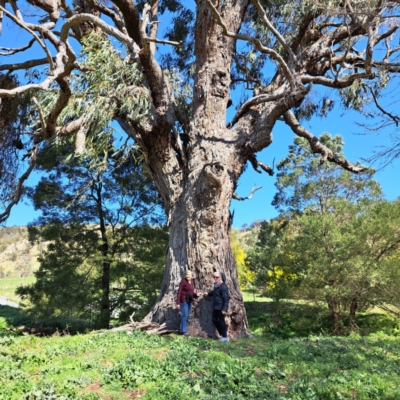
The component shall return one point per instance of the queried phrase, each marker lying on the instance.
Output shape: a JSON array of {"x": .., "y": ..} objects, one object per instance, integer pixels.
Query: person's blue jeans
[{"x": 185, "y": 311}]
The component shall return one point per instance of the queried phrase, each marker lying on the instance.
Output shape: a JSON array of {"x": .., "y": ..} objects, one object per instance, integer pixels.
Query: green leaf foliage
[
  {"x": 336, "y": 241},
  {"x": 120, "y": 365},
  {"x": 106, "y": 244},
  {"x": 304, "y": 184},
  {"x": 91, "y": 92}
]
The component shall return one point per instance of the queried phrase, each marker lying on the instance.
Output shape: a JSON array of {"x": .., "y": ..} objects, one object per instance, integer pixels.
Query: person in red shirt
[{"x": 184, "y": 300}]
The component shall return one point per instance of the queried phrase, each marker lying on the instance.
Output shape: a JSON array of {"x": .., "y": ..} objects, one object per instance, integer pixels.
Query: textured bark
[
  {"x": 352, "y": 313},
  {"x": 105, "y": 310},
  {"x": 105, "y": 314},
  {"x": 199, "y": 241},
  {"x": 335, "y": 315}
]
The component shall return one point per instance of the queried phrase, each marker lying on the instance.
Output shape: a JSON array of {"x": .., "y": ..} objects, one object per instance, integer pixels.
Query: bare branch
[
  {"x": 70, "y": 128},
  {"x": 24, "y": 65},
  {"x": 119, "y": 23},
  {"x": 177, "y": 44},
  {"x": 262, "y": 98},
  {"x": 386, "y": 34},
  {"x": 40, "y": 111},
  {"x": 389, "y": 67},
  {"x": 179, "y": 145},
  {"x": 20, "y": 185},
  {"x": 369, "y": 51},
  {"x": 79, "y": 18},
  {"x": 22, "y": 24},
  {"x": 303, "y": 29},
  {"x": 11, "y": 51},
  {"x": 246, "y": 72},
  {"x": 317, "y": 147},
  {"x": 395, "y": 118},
  {"x": 258, "y": 164},
  {"x": 16, "y": 9},
  {"x": 236, "y": 197},
  {"x": 281, "y": 40},
  {"x": 337, "y": 84},
  {"x": 80, "y": 139}
]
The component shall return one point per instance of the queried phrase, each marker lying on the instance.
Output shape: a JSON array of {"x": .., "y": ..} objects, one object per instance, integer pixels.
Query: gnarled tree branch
[{"x": 317, "y": 147}]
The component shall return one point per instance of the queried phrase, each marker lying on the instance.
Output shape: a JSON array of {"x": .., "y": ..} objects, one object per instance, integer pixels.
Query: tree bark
[
  {"x": 352, "y": 313},
  {"x": 335, "y": 315},
  {"x": 104, "y": 320},
  {"x": 197, "y": 186},
  {"x": 105, "y": 312}
]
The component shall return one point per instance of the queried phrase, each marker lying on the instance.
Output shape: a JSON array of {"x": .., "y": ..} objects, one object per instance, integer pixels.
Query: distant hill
[
  {"x": 247, "y": 235},
  {"x": 18, "y": 258}
]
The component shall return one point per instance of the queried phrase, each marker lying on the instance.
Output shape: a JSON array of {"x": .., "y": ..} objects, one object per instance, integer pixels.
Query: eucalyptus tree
[{"x": 174, "y": 101}]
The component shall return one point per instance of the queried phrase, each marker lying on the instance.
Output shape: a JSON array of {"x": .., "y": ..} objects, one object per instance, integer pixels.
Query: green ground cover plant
[
  {"x": 295, "y": 318},
  {"x": 121, "y": 366},
  {"x": 271, "y": 365}
]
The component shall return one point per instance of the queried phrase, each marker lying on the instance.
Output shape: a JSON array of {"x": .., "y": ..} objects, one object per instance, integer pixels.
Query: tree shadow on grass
[
  {"x": 16, "y": 321},
  {"x": 11, "y": 318}
]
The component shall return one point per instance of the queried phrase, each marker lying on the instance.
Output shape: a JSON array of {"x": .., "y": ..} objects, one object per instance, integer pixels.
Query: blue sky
[{"x": 342, "y": 122}]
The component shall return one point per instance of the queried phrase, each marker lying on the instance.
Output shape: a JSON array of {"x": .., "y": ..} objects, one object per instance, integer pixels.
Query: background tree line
[{"x": 336, "y": 241}]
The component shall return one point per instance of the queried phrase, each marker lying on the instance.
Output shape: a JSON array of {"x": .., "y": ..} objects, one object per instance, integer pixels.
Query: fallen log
[{"x": 148, "y": 327}]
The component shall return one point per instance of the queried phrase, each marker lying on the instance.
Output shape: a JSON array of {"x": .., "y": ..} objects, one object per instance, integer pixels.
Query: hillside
[{"x": 18, "y": 258}]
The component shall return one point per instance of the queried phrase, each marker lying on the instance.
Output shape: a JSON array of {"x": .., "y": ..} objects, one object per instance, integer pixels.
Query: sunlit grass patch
[{"x": 9, "y": 285}]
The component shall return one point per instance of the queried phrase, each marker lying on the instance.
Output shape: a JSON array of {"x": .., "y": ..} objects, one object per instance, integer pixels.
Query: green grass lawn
[
  {"x": 283, "y": 361},
  {"x": 122, "y": 366}
]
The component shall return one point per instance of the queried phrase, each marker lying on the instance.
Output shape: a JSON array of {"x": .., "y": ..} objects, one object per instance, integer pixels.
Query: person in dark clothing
[
  {"x": 184, "y": 300},
  {"x": 220, "y": 295}
]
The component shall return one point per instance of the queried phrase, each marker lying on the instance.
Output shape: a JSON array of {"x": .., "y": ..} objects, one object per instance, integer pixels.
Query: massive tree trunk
[{"x": 199, "y": 240}]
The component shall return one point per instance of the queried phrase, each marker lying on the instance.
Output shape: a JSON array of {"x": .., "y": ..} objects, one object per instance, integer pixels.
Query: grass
[
  {"x": 8, "y": 286},
  {"x": 302, "y": 319},
  {"x": 122, "y": 366},
  {"x": 274, "y": 365}
]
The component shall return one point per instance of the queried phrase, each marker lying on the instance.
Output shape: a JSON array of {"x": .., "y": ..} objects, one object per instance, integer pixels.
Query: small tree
[
  {"x": 318, "y": 250},
  {"x": 246, "y": 276}
]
